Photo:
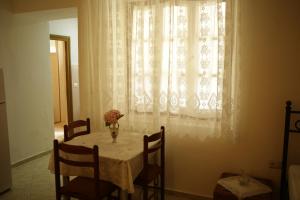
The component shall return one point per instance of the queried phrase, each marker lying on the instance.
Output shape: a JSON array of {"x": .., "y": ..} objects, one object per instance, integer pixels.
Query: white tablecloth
[
  {"x": 120, "y": 162},
  {"x": 254, "y": 187}
]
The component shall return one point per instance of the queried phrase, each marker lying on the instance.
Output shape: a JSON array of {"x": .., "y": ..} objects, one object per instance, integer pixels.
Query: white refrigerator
[{"x": 5, "y": 167}]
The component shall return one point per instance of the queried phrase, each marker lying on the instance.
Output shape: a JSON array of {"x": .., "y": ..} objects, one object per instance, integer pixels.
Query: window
[{"x": 177, "y": 58}]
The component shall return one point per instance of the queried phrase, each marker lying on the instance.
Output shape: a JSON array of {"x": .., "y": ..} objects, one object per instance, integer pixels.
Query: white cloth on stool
[{"x": 254, "y": 187}]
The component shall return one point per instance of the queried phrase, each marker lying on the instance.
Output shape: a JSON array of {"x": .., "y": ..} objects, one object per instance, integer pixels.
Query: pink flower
[{"x": 112, "y": 116}]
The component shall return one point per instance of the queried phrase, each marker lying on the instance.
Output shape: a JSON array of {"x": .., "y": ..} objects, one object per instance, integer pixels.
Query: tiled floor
[{"x": 32, "y": 181}]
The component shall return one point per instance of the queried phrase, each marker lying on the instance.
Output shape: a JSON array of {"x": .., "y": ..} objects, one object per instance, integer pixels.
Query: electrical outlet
[{"x": 274, "y": 164}]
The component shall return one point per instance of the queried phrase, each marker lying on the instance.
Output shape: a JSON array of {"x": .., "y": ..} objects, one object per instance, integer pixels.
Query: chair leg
[
  {"x": 156, "y": 191},
  {"x": 145, "y": 193},
  {"x": 58, "y": 196},
  {"x": 129, "y": 196},
  {"x": 119, "y": 194},
  {"x": 162, "y": 189}
]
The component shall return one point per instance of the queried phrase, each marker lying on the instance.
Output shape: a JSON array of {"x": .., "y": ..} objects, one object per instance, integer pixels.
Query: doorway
[{"x": 61, "y": 82}]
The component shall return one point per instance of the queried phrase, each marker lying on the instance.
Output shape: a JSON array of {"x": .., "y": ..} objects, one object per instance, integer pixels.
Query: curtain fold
[{"x": 161, "y": 62}]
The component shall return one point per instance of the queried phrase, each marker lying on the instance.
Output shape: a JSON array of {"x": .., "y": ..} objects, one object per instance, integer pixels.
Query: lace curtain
[{"x": 161, "y": 62}]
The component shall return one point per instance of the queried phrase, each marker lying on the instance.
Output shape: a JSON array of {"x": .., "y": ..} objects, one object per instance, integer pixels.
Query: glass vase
[{"x": 114, "y": 131}]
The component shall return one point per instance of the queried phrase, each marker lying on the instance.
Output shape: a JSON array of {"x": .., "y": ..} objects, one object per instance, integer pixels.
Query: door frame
[{"x": 66, "y": 39}]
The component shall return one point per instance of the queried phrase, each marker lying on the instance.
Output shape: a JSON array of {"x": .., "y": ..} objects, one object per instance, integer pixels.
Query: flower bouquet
[
  {"x": 112, "y": 116},
  {"x": 111, "y": 119}
]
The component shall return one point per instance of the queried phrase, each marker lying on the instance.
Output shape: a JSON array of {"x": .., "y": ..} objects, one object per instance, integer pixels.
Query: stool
[{"x": 220, "y": 193}]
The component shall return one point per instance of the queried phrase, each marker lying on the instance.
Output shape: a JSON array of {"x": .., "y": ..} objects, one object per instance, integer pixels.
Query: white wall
[
  {"x": 31, "y": 113},
  {"x": 25, "y": 57},
  {"x": 69, "y": 27}
]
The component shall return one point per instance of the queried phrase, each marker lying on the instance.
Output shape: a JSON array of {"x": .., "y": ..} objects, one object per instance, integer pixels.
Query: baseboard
[
  {"x": 188, "y": 195},
  {"x": 30, "y": 158}
]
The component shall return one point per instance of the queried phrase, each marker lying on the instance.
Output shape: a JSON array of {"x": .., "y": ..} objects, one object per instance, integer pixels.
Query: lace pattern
[{"x": 163, "y": 62}]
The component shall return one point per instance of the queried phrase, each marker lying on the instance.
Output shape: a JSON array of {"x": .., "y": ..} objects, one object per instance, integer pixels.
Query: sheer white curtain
[{"x": 161, "y": 62}]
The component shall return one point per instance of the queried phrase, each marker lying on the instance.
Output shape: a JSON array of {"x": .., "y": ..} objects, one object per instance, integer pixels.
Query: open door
[{"x": 61, "y": 80}]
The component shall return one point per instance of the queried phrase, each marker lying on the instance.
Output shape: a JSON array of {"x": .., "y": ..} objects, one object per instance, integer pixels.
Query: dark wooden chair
[
  {"x": 152, "y": 172},
  {"x": 70, "y": 132},
  {"x": 83, "y": 188}
]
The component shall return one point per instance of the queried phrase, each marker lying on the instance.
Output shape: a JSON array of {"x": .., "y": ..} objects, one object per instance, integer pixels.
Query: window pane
[{"x": 205, "y": 39}]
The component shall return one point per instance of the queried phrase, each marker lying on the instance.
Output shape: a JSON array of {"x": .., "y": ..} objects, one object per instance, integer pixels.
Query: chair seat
[
  {"x": 83, "y": 188},
  {"x": 146, "y": 178}
]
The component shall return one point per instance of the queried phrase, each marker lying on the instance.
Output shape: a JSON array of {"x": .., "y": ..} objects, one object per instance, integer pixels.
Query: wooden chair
[
  {"x": 81, "y": 187},
  {"x": 69, "y": 130},
  {"x": 151, "y": 172}
]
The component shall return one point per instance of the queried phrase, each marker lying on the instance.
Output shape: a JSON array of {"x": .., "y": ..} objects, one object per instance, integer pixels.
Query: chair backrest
[
  {"x": 70, "y": 129},
  {"x": 79, "y": 150},
  {"x": 159, "y": 139}
]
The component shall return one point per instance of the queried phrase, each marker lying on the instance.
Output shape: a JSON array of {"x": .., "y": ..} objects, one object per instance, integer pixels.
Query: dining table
[{"x": 119, "y": 162}]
